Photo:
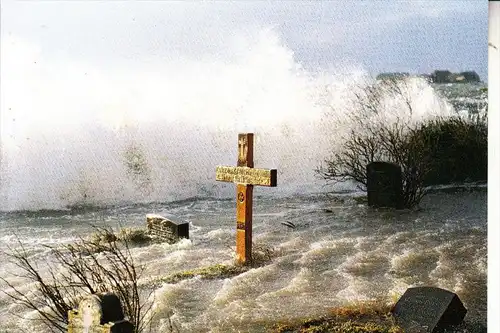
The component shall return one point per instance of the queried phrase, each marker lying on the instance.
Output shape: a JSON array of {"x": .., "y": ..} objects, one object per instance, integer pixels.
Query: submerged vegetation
[
  {"x": 261, "y": 256},
  {"x": 362, "y": 317},
  {"x": 136, "y": 236},
  {"x": 217, "y": 271},
  {"x": 99, "y": 240}
]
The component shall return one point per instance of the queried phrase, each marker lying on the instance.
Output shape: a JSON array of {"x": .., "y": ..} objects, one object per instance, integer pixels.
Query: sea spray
[{"x": 89, "y": 137}]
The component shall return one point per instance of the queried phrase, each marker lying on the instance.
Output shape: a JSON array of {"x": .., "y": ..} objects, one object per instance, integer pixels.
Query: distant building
[
  {"x": 445, "y": 76},
  {"x": 441, "y": 76},
  {"x": 438, "y": 76},
  {"x": 395, "y": 75},
  {"x": 471, "y": 76}
]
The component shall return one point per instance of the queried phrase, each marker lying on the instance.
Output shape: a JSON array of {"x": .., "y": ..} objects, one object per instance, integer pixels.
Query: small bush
[
  {"x": 98, "y": 241},
  {"x": 130, "y": 236},
  {"x": 392, "y": 143},
  {"x": 134, "y": 236},
  {"x": 458, "y": 150}
]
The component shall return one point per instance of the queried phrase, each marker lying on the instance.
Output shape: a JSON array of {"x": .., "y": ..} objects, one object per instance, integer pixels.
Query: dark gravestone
[
  {"x": 99, "y": 314},
  {"x": 428, "y": 310},
  {"x": 111, "y": 308},
  {"x": 384, "y": 185},
  {"x": 169, "y": 229}
]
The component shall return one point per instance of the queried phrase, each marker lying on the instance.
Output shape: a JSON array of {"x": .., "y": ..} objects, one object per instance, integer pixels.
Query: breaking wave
[{"x": 90, "y": 137}]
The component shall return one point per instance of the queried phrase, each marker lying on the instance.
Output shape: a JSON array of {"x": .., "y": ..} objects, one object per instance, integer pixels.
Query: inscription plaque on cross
[{"x": 245, "y": 176}]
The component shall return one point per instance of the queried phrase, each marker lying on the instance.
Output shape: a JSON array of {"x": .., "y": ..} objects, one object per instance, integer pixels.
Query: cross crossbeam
[{"x": 245, "y": 175}]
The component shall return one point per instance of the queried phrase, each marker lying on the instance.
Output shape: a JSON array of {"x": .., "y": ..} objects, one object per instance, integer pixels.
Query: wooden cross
[{"x": 245, "y": 176}]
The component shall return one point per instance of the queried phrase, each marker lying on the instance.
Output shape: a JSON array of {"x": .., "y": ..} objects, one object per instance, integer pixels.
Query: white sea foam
[{"x": 156, "y": 133}]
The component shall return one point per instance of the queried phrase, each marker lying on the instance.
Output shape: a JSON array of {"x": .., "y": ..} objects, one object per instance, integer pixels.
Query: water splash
[{"x": 90, "y": 136}]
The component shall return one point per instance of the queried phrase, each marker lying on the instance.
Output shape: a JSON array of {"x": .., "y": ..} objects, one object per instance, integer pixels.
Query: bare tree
[{"x": 88, "y": 266}]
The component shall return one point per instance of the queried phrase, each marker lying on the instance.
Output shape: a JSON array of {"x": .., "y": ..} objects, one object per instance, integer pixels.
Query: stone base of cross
[{"x": 245, "y": 176}]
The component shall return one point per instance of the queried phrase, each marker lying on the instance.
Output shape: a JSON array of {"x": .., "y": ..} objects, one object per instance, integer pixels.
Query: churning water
[
  {"x": 340, "y": 252},
  {"x": 142, "y": 144}
]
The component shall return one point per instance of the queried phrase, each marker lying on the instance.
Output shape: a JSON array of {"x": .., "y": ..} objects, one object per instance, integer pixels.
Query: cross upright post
[{"x": 245, "y": 177}]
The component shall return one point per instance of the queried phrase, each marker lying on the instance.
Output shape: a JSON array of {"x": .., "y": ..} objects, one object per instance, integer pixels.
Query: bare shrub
[
  {"x": 382, "y": 127},
  {"x": 88, "y": 266}
]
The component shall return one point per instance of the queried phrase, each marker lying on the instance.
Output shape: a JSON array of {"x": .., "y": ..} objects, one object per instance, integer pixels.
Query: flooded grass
[
  {"x": 218, "y": 271},
  {"x": 366, "y": 317}
]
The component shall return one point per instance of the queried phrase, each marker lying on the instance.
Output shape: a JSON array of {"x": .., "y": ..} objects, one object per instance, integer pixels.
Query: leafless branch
[{"x": 85, "y": 267}]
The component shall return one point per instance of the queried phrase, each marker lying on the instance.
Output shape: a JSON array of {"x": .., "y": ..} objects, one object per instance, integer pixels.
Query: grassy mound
[
  {"x": 217, "y": 271},
  {"x": 134, "y": 236},
  {"x": 102, "y": 238},
  {"x": 261, "y": 255},
  {"x": 365, "y": 317}
]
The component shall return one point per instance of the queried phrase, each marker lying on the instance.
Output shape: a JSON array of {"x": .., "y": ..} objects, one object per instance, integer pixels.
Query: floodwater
[{"x": 339, "y": 252}]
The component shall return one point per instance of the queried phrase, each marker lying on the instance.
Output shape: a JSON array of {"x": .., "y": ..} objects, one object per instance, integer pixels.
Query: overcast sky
[{"x": 416, "y": 36}]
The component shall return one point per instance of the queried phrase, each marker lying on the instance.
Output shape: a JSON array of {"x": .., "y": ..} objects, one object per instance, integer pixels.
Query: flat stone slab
[{"x": 428, "y": 310}]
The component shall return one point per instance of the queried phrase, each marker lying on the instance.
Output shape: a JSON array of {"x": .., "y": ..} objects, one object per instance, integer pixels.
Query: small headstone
[
  {"x": 428, "y": 310},
  {"x": 384, "y": 185},
  {"x": 99, "y": 314},
  {"x": 168, "y": 229}
]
